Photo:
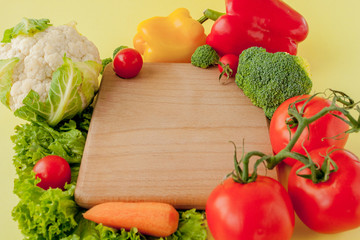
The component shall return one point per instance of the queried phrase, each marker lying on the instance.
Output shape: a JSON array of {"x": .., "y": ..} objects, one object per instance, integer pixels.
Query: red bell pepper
[{"x": 271, "y": 24}]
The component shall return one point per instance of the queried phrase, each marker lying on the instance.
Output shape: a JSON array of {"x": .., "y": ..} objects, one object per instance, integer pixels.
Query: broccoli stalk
[{"x": 269, "y": 79}]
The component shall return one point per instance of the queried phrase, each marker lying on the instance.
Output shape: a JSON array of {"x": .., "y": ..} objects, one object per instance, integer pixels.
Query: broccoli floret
[
  {"x": 269, "y": 79},
  {"x": 105, "y": 62},
  {"x": 204, "y": 57},
  {"x": 118, "y": 50},
  {"x": 108, "y": 60}
]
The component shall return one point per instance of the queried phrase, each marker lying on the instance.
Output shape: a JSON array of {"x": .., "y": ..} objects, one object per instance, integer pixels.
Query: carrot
[{"x": 150, "y": 218}]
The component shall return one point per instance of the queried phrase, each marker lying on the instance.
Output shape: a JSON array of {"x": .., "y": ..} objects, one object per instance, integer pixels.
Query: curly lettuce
[
  {"x": 191, "y": 227},
  {"x": 36, "y": 140},
  {"x": 47, "y": 214},
  {"x": 44, "y": 214}
]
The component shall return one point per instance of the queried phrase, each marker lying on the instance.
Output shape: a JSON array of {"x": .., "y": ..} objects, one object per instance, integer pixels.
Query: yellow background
[{"x": 332, "y": 49}]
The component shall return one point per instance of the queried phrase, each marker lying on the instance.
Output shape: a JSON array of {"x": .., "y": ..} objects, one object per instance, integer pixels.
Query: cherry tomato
[
  {"x": 54, "y": 172},
  {"x": 257, "y": 210},
  {"x": 319, "y": 134},
  {"x": 233, "y": 62},
  {"x": 127, "y": 63},
  {"x": 332, "y": 206}
]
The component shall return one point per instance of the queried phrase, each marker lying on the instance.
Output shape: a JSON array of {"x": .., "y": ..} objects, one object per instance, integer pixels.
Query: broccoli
[
  {"x": 269, "y": 79},
  {"x": 204, "y": 57},
  {"x": 108, "y": 60},
  {"x": 105, "y": 62},
  {"x": 118, "y": 50}
]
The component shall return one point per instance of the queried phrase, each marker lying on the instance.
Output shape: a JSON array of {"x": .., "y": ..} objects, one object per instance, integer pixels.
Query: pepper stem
[{"x": 210, "y": 14}]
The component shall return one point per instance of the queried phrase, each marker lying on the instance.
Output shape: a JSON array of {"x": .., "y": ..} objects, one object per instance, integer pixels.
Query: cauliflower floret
[{"x": 40, "y": 55}]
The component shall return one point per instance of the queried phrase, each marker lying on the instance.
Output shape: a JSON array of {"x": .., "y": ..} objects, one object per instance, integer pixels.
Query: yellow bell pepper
[{"x": 169, "y": 39}]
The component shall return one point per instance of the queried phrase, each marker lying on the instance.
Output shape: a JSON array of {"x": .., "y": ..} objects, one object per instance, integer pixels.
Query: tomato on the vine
[
  {"x": 232, "y": 61},
  {"x": 127, "y": 63},
  {"x": 325, "y": 132},
  {"x": 334, "y": 205},
  {"x": 256, "y": 210},
  {"x": 54, "y": 172}
]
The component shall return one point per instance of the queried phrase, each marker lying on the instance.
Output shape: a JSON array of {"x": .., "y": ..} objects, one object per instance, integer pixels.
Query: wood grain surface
[{"x": 164, "y": 136}]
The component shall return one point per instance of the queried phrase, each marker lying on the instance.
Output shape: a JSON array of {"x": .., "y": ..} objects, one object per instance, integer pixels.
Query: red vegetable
[
  {"x": 127, "y": 63},
  {"x": 256, "y": 210},
  {"x": 332, "y": 206},
  {"x": 270, "y": 24},
  {"x": 319, "y": 134},
  {"x": 231, "y": 61},
  {"x": 54, "y": 172}
]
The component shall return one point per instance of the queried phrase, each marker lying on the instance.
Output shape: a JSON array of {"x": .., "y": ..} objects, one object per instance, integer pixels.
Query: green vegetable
[
  {"x": 44, "y": 214},
  {"x": 191, "y": 226},
  {"x": 36, "y": 140},
  {"x": 72, "y": 89},
  {"x": 269, "y": 79},
  {"x": 88, "y": 230},
  {"x": 6, "y": 69},
  {"x": 49, "y": 214},
  {"x": 27, "y": 27},
  {"x": 204, "y": 57},
  {"x": 118, "y": 49},
  {"x": 105, "y": 62}
]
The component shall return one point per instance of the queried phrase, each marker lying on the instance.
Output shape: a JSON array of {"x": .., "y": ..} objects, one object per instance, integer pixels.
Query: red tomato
[
  {"x": 332, "y": 206},
  {"x": 127, "y": 63},
  {"x": 54, "y": 172},
  {"x": 319, "y": 133},
  {"x": 233, "y": 62},
  {"x": 257, "y": 210}
]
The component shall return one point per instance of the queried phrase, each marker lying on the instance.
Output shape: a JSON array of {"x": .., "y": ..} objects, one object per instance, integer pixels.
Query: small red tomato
[
  {"x": 332, "y": 206},
  {"x": 54, "y": 172},
  {"x": 127, "y": 63},
  {"x": 232, "y": 61},
  {"x": 256, "y": 210}
]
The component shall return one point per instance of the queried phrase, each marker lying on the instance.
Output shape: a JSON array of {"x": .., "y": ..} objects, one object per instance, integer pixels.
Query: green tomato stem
[{"x": 317, "y": 174}]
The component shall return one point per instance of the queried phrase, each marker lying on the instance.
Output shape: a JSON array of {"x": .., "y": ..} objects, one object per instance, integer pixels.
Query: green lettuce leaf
[
  {"x": 36, "y": 140},
  {"x": 50, "y": 214},
  {"x": 26, "y": 27},
  {"x": 44, "y": 214},
  {"x": 6, "y": 70},
  {"x": 72, "y": 89},
  {"x": 88, "y": 230},
  {"x": 191, "y": 227},
  {"x": 85, "y": 230}
]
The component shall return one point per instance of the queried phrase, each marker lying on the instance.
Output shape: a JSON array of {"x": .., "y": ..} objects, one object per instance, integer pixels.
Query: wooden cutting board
[{"x": 164, "y": 136}]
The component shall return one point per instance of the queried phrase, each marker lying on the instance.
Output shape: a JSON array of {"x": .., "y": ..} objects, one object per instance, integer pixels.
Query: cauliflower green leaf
[
  {"x": 27, "y": 27},
  {"x": 6, "y": 69},
  {"x": 71, "y": 91}
]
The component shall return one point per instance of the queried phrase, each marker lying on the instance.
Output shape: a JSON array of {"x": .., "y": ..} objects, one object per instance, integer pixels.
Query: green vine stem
[{"x": 318, "y": 174}]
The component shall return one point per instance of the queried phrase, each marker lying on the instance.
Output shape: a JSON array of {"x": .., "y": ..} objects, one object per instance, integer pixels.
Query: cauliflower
[{"x": 47, "y": 70}]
